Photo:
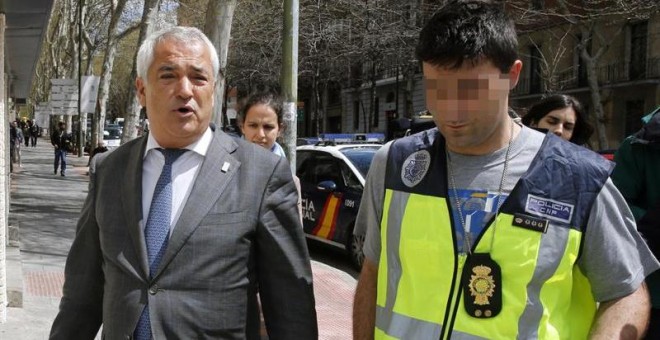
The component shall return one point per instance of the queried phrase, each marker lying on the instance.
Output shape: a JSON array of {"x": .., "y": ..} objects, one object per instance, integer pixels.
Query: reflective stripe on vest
[{"x": 544, "y": 293}]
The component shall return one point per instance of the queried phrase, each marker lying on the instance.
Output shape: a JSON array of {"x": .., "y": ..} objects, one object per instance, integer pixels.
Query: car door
[
  {"x": 351, "y": 194},
  {"x": 319, "y": 172}
]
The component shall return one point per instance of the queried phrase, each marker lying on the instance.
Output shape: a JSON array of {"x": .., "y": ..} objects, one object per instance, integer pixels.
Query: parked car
[
  {"x": 112, "y": 136},
  {"x": 332, "y": 180}
]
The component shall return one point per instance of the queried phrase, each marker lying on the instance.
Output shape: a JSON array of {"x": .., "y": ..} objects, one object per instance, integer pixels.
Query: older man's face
[{"x": 178, "y": 93}]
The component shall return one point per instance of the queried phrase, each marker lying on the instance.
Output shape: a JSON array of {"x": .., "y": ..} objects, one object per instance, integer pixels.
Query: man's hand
[
  {"x": 623, "y": 318},
  {"x": 364, "y": 304}
]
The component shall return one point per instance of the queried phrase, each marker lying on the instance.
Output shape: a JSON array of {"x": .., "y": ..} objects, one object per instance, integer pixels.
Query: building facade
[{"x": 628, "y": 71}]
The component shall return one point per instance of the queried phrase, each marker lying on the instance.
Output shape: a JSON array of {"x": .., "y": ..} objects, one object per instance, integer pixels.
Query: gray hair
[{"x": 180, "y": 34}]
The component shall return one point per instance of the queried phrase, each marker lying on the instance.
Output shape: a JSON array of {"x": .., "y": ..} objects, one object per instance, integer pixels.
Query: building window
[
  {"x": 638, "y": 36},
  {"x": 334, "y": 93},
  {"x": 634, "y": 113},
  {"x": 535, "y": 72},
  {"x": 538, "y": 5},
  {"x": 390, "y": 97},
  {"x": 356, "y": 115},
  {"x": 356, "y": 75}
]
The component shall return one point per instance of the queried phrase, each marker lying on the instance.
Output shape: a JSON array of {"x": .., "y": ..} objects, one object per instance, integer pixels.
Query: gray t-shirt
[{"x": 614, "y": 257}]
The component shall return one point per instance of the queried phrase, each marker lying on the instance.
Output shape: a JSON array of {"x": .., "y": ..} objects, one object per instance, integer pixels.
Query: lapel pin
[{"x": 225, "y": 167}]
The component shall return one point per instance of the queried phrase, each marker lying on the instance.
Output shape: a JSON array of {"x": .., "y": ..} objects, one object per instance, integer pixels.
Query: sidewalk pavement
[{"x": 45, "y": 207}]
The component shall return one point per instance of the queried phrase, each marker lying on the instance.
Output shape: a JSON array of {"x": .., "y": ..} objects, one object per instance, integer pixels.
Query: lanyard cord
[{"x": 467, "y": 243}]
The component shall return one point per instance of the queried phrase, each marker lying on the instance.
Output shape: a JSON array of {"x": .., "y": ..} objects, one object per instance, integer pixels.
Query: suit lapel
[
  {"x": 131, "y": 189},
  {"x": 211, "y": 181}
]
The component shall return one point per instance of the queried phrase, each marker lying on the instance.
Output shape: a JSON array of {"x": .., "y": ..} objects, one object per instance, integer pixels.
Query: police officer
[{"x": 483, "y": 228}]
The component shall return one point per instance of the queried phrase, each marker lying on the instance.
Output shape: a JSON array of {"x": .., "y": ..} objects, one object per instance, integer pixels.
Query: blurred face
[
  {"x": 469, "y": 105},
  {"x": 260, "y": 125},
  {"x": 178, "y": 92},
  {"x": 560, "y": 122}
]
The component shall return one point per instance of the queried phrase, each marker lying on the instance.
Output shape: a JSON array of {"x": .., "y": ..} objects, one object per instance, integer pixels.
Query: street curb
[{"x": 14, "y": 277}]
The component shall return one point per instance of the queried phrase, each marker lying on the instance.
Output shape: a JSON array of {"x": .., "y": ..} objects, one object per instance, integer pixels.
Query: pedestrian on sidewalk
[
  {"x": 18, "y": 138},
  {"x": 14, "y": 144},
  {"x": 25, "y": 127},
  {"x": 483, "y": 228},
  {"x": 34, "y": 133},
  {"x": 181, "y": 226},
  {"x": 101, "y": 148},
  {"x": 60, "y": 140}
]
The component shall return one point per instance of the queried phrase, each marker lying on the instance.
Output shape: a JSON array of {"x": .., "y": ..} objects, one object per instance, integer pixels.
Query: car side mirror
[{"x": 327, "y": 186}]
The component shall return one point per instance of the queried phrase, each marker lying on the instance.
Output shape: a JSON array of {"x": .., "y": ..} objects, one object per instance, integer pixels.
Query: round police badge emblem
[{"x": 415, "y": 167}]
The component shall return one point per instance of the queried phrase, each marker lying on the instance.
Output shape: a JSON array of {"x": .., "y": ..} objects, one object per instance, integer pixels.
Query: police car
[{"x": 332, "y": 174}]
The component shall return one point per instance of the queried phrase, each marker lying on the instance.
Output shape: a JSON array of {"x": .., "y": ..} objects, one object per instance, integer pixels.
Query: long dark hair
[{"x": 582, "y": 130}]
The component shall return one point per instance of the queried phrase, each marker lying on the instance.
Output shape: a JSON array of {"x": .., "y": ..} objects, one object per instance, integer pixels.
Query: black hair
[
  {"x": 268, "y": 98},
  {"x": 582, "y": 130},
  {"x": 469, "y": 31}
]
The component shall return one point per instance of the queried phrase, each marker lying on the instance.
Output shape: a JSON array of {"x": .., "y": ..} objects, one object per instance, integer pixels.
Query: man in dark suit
[{"x": 232, "y": 227}]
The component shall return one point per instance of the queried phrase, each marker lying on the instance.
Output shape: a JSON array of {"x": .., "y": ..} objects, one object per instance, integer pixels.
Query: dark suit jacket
[
  {"x": 239, "y": 231},
  {"x": 60, "y": 139}
]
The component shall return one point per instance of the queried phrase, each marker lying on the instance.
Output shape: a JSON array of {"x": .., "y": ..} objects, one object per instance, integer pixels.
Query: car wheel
[{"x": 354, "y": 248}]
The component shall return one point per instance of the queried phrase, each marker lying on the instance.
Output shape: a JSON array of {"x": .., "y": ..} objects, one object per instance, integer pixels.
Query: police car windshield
[{"x": 361, "y": 157}]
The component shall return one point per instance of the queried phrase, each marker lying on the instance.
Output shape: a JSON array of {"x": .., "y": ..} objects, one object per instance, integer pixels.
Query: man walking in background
[
  {"x": 34, "y": 133},
  {"x": 60, "y": 140}
]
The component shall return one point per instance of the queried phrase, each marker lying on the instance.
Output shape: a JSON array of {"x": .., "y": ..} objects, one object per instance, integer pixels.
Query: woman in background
[
  {"x": 262, "y": 122},
  {"x": 562, "y": 115}
]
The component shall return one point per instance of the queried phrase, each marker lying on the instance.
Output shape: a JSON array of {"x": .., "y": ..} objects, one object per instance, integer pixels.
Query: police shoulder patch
[
  {"x": 415, "y": 167},
  {"x": 550, "y": 209}
]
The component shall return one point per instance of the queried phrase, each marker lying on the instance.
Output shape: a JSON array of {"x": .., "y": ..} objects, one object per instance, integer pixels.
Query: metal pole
[
  {"x": 82, "y": 125},
  {"x": 289, "y": 78}
]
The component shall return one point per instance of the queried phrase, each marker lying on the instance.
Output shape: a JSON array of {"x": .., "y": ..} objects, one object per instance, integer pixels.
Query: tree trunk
[
  {"x": 408, "y": 98},
  {"x": 365, "y": 118},
  {"x": 71, "y": 50},
  {"x": 132, "y": 106},
  {"x": 594, "y": 90},
  {"x": 590, "y": 63},
  {"x": 314, "y": 107},
  {"x": 324, "y": 110},
  {"x": 106, "y": 73},
  {"x": 289, "y": 78},
  {"x": 372, "y": 99},
  {"x": 219, "y": 15}
]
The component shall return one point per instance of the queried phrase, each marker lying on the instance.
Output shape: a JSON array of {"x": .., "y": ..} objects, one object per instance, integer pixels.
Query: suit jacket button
[{"x": 153, "y": 290}]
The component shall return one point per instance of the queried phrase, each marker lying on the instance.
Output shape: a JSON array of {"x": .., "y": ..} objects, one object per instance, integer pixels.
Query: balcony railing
[{"x": 608, "y": 74}]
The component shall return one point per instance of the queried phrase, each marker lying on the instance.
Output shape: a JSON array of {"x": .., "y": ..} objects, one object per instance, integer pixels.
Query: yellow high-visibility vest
[{"x": 419, "y": 296}]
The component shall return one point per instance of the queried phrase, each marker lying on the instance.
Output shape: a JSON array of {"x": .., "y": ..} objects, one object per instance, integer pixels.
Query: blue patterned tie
[{"x": 157, "y": 230}]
